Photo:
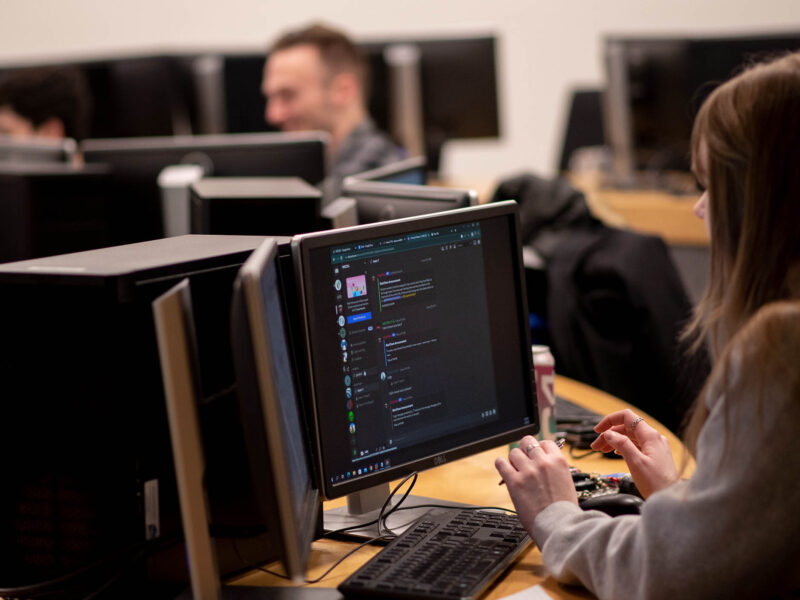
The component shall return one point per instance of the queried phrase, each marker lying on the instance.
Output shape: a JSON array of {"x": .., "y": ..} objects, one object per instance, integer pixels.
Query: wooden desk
[
  {"x": 647, "y": 211},
  {"x": 474, "y": 480}
]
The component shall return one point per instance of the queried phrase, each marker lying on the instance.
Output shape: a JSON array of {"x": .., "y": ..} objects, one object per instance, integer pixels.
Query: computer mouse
[{"x": 613, "y": 504}]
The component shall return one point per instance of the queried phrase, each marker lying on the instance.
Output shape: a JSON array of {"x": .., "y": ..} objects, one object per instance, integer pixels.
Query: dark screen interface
[{"x": 408, "y": 368}]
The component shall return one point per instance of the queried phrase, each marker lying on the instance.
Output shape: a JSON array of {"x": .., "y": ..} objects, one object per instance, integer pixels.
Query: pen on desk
[{"x": 559, "y": 442}]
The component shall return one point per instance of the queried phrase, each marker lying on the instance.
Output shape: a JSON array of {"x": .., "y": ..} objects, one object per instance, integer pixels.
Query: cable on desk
[
  {"x": 580, "y": 456},
  {"x": 381, "y": 521}
]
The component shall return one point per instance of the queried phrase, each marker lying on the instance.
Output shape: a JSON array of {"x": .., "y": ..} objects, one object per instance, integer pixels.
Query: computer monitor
[
  {"x": 177, "y": 349},
  {"x": 418, "y": 346},
  {"x": 412, "y": 171},
  {"x": 458, "y": 81},
  {"x": 383, "y": 201},
  {"x": 655, "y": 85},
  {"x": 272, "y": 444},
  {"x": 37, "y": 150},
  {"x": 300, "y": 154},
  {"x": 269, "y": 405},
  {"x": 136, "y": 163},
  {"x": 53, "y": 208}
]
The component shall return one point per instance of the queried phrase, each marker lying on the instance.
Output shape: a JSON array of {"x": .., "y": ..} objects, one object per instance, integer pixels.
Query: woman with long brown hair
[{"x": 732, "y": 529}]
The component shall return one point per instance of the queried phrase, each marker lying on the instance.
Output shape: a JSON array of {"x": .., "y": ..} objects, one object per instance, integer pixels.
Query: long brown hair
[{"x": 750, "y": 129}]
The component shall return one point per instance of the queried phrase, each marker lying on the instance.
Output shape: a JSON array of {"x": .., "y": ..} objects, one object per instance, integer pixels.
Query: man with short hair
[{"x": 316, "y": 78}]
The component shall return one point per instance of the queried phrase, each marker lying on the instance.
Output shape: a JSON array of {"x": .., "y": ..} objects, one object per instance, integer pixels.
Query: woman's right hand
[{"x": 645, "y": 450}]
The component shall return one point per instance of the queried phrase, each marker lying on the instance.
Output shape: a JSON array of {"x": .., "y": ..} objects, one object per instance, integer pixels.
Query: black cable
[{"x": 580, "y": 456}]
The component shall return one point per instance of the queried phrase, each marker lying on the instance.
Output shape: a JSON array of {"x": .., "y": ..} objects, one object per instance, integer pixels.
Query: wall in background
[{"x": 545, "y": 48}]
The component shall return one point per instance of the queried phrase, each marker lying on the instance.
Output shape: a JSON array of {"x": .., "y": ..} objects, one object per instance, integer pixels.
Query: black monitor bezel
[{"x": 303, "y": 245}]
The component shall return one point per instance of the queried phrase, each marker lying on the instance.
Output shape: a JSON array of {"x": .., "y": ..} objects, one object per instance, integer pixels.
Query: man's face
[
  {"x": 14, "y": 125},
  {"x": 297, "y": 89}
]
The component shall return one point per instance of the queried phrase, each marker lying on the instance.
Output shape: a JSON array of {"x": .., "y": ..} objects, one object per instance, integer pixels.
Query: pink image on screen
[{"x": 356, "y": 286}]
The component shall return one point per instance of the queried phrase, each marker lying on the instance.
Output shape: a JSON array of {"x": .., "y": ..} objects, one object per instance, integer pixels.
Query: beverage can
[{"x": 544, "y": 368}]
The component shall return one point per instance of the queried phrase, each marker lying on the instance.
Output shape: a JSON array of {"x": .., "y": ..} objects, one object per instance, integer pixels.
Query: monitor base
[{"x": 413, "y": 507}]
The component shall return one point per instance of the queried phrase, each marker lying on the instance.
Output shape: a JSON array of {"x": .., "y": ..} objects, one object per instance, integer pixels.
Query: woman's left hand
[{"x": 536, "y": 474}]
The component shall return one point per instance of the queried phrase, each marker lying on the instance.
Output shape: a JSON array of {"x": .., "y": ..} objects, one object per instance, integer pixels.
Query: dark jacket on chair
[{"x": 615, "y": 304}]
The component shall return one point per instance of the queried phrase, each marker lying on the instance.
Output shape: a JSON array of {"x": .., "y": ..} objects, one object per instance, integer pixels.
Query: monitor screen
[
  {"x": 268, "y": 402},
  {"x": 416, "y": 334},
  {"x": 383, "y": 201},
  {"x": 410, "y": 171}
]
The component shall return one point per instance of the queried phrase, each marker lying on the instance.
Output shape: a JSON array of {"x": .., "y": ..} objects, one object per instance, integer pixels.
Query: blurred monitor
[
  {"x": 412, "y": 171},
  {"x": 259, "y": 154},
  {"x": 36, "y": 150},
  {"x": 655, "y": 85},
  {"x": 418, "y": 347},
  {"x": 458, "y": 79},
  {"x": 137, "y": 162},
  {"x": 382, "y": 201},
  {"x": 53, "y": 208},
  {"x": 255, "y": 206}
]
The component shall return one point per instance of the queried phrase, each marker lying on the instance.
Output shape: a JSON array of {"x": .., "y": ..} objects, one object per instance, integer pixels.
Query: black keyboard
[
  {"x": 569, "y": 412},
  {"x": 447, "y": 553}
]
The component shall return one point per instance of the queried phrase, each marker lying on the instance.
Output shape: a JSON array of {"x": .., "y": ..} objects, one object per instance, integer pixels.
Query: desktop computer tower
[{"x": 88, "y": 476}]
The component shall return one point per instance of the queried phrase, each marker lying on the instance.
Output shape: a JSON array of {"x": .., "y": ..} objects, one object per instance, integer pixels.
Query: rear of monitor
[
  {"x": 412, "y": 171},
  {"x": 136, "y": 163},
  {"x": 383, "y": 201},
  {"x": 300, "y": 154},
  {"x": 254, "y": 206},
  {"x": 54, "y": 208}
]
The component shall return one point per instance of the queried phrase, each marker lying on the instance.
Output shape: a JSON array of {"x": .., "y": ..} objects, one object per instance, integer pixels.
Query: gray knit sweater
[{"x": 731, "y": 531}]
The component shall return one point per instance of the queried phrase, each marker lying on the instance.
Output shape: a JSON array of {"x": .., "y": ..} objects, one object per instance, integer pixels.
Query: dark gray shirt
[{"x": 365, "y": 148}]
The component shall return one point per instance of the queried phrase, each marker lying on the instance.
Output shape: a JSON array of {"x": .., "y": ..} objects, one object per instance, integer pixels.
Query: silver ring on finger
[
  {"x": 635, "y": 422},
  {"x": 530, "y": 447}
]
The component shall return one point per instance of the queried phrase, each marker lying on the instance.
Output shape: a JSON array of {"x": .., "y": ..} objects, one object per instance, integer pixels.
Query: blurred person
[
  {"x": 316, "y": 78},
  {"x": 45, "y": 102}
]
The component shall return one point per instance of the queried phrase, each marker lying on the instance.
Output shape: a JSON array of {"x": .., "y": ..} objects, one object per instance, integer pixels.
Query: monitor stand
[{"x": 365, "y": 506}]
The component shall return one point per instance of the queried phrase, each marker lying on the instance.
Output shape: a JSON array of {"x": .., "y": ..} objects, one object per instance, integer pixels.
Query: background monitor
[
  {"x": 417, "y": 340},
  {"x": 412, "y": 171},
  {"x": 53, "y": 208},
  {"x": 269, "y": 403},
  {"x": 255, "y": 206},
  {"x": 177, "y": 350},
  {"x": 655, "y": 85},
  {"x": 137, "y": 162},
  {"x": 382, "y": 201}
]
